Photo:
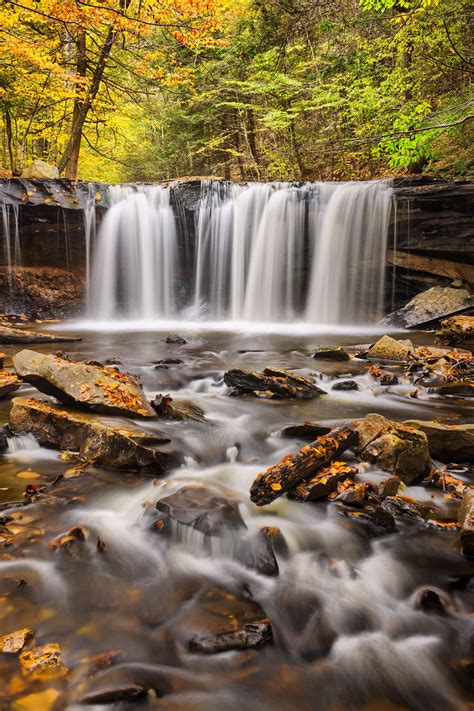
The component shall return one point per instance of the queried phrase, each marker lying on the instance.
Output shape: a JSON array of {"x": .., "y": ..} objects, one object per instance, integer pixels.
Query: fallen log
[
  {"x": 324, "y": 482},
  {"x": 294, "y": 468},
  {"x": 271, "y": 383}
]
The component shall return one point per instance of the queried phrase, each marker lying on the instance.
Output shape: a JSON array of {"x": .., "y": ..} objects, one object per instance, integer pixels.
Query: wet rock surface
[
  {"x": 271, "y": 383},
  {"x": 449, "y": 443},
  {"x": 11, "y": 335},
  {"x": 203, "y": 510},
  {"x": 87, "y": 384},
  {"x": 116, "y": 447},
  {"x": 9, "y": 382},
  {"x": 430, "y": 305},
  {"x": 251, "y": 636}
]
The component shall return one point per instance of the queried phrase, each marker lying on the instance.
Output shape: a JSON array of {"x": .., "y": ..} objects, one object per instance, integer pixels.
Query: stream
[{"x": 346, "y": 627}]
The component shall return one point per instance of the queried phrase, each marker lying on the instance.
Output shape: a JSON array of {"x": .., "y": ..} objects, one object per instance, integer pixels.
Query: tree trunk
[{"x": 69, "y": 159}]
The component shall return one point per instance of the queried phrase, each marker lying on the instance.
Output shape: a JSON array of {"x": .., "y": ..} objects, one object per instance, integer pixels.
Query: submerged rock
[
  {"x": 388, "y": 348},
  {"x": 428, "y": 306},
  {"x": 374, "y": 519},
  {"x": 271, "y": 383},
  {"x": 382, "y": 376},
  {"x": 166, "y": 407},
  {"x": 176, "y": 340},
  {"x": 9, "y": 382},
  {"x": 10, "y": 335},
  {"x": 466, "y": 521},
  {"x": 331, "y": 353},
  {"x": 394, "y": 447},
  {"x": 202, "y": 509},
  {"x": 432, "y": 601},
  {"x": 116, "y": 447},
  {"x": 83, "y": 383},
  {"x": 345, "y": 385},
  {"x": 250, "y": 636},
  {"x": 258, "y": 550},
  {"x": 449, "y": 443}
]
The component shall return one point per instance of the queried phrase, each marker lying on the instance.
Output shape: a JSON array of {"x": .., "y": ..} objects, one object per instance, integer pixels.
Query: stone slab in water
[
  {"x": 95, "y": 442},
  {"x": 202, "y": 509},
  {"x": 428, "y": 306},
  {"x": 86, "y": 383},
  {"x": 11, "y": 336}
]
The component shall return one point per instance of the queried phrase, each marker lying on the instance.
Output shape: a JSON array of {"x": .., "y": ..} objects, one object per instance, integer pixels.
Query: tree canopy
[{"x": 250, "y": 89}]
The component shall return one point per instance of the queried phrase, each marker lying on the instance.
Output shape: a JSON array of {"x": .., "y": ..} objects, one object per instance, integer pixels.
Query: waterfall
[
  {"x": 11, "y": 242},
  {"x": 269, "y": 252},
  {"x": 134, "y": 270},
  {"x": 347, "y": 275}
]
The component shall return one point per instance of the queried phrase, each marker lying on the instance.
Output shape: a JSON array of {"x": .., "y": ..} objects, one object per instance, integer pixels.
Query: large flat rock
[
  {"x": 94, "y": 441},
  {"x": 83, "y": 383},
  {"x": 429, "y": 306},
  {"x": 10, "y": 335}
]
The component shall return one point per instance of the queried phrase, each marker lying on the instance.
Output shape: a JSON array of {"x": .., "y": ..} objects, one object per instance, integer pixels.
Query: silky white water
[{"x": 261, "y": 253}]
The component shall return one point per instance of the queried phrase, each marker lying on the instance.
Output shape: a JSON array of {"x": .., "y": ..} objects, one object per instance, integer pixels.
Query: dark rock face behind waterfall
[{"x": 47, "y": 225}]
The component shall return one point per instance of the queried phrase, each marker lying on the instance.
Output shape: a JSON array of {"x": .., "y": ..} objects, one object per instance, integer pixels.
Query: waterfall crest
[{"x": 262, "y": 252}]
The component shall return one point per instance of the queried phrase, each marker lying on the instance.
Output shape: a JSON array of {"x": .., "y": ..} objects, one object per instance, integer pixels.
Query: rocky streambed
[{"x": 211, "y": 519}]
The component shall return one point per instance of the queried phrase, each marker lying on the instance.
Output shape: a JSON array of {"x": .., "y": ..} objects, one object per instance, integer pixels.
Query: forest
[{"x": 130, "y": 90}]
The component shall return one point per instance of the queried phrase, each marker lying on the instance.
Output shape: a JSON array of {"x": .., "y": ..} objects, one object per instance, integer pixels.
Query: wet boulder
[
  {"x": 331, "y": 353},
  {"x": 394, "y": 447},
  {"x": 456, "y": 329},
  {"x": 95, "y": 442},
  {"x": 203, "y": 509},
  {"x": 449, "y": 443},
  {"x": 16, "y": 641},
  {"x": 374, "y": 519},
  {"x": 250, "y": 636},
  {"x": 389, "y": 349},
  {"x": 258, "y": 551},
  {"x": 345, "y": 385},
  {"x": 166, "y": 407},
  {"x": 9, "y": 382},
  {"x": 271, "y": 383},
  {"x": 10, "y": 335},
  {"x": 382, "y": 376},
  {"x": 428, "y": 306},
  {"x": 466, "y": 522},
  {"x": 433, "y": 601},
  {"x": 86, "y": 383}
]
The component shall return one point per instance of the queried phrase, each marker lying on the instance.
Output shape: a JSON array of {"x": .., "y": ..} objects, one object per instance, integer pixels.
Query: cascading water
[
  {"x": 263, "y": 253},
  {"x": 136, "y": 256},
  {"x": 11, "y": 241},
  {"x": 347, "y": 276}
]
